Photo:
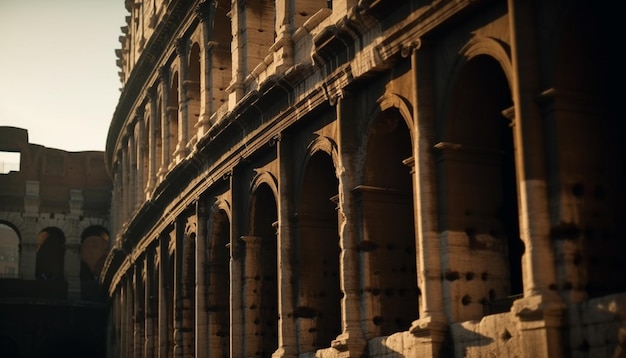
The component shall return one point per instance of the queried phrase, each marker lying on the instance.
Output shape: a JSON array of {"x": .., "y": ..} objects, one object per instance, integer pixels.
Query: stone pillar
[
  {"x": 206, "y": 13},
  {"x": 287, "y": 337},
  {"x": 152, "y": 140},
  {"x": 237, "y": 343},
  {"x": 140, "y": 159},
  {"x": 178, "y": 289},
  {"x": 431, "y": 324},
  {"x": 138, "y": 303},
  {"x": 202, "y": 339},
  {"x": 164, "y": 315},
  {"x": 188, "y": 290},
  {"x": 127, "y": 327},
  {"x": 131, "y": 185},
  {"x": 541, "y": 310},
  {"x": 164, "y": 77},
  {"x": 126, "y": 180},
  {"x": 352, "y": 341},
  {"x": 283, "y": 46},
  {"x": 236, "y": 89},
  {"x": 252, "y": 288},
  {"x": 149, "y": 299},
  {"x": 182, "y": 50}
]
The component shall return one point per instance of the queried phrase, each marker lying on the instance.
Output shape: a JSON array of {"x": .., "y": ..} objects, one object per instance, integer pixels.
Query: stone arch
[
  {"x": 476, "y": 46},
  {"x": 94, "y": 247},
  {"x": 218, "y": 261},
  {"x": 261, "y": 269},
  {"x": 588, "y": 157},
  {"x": 478, "y": 191},
  {"x": 10, "y": 248},
  {"x": 50, "y": 260},
  {"x": 385, "y": 201},
  {"x": 317, "y": 265}
]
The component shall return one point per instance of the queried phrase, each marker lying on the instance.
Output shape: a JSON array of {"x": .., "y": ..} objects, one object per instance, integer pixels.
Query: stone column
[
  {"x": 131, "y": 185},
  {"x": 352, "y": 341},
  {"x": 182, "y": 50},
  {"x": 252, "y": 289},
  {"x": 283, "y": 46},
  {"x": 235, "y": 89},
  {"x": 138, "y": 303},
  {"x": 206, "y": 13},
  {"x": 149, "y": 298},
  {"x": 118, "y": 192},
  {"x": 128, "y": 331},
  {"x": 201, "y": 333},
  {"x": 152, "y": 139},
  {"x": 188, "y": 289},
  {"x": 540, "y": 311},
  {"x": 237, "y": 340},
  {"x": 432, "y": 321},
  {"x": 287, "y": 337},
  {"x": 164, "y": 315},
  {"x": 126, "y": 181},
  {"x": 164, "y": 76},
  {"x": 178, "y": 289},
  {"x": 140, "y": 158}
]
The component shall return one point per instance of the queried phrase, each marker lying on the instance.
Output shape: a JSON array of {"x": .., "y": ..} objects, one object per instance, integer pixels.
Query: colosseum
[{"x": 367, "y": 178}]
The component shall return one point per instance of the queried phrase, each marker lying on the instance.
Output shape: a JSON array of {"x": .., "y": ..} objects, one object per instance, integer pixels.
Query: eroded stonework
[{"x": 367, "y": 178}]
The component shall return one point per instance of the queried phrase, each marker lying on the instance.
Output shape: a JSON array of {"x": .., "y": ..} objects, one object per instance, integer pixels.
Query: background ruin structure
[
  {"x": 379, "y": 178},
  {"x": 54, "y": 210}
]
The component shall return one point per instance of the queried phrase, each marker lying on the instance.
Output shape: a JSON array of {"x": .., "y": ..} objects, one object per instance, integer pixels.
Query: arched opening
[
  {"x": 589, "y": 155},
  {"x": 318, "y": 307},
  {"x": 192, "y": 86},
  {"x": 221, "y": 70},
  {"x": 50, "y": 258},
  {"x": 94, "y": 246},
  {"x": 261, "y": 275},
  {"x": 388, "y": 242},
  {"x": 219, "y": 284},
  {"x": 478, "y": 195},
  {"x": 172, "y": 113},
  {"x": 9, "y": 251}
]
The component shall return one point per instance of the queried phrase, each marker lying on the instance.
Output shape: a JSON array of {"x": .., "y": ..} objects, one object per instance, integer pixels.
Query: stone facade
[
  {"x": 54, "y": 210},
  {"x": 379, "y": 178}
]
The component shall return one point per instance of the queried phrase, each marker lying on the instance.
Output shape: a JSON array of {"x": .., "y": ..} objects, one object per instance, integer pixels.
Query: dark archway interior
[{"x": 319, "y": 293}]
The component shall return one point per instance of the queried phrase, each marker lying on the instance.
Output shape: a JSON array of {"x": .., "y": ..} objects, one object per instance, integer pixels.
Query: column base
[
  {"x": 541, "y": 320},
  {"x": 349, "y": 346}
]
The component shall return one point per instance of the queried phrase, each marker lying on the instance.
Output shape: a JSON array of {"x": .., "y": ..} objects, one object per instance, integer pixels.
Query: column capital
[
  {"x": 252, "y": 240},
  {"x": 181, "y": 46},
  {"x": 205, "y": 10},
  {"x": 164, "y": 72}
]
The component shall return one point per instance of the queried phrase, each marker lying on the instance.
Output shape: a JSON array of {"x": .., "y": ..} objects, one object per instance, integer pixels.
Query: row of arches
[
  {"x": 326, "y": 239},
  {"x": 193, "y": 87},
  {"x": 51, "y": 247}
]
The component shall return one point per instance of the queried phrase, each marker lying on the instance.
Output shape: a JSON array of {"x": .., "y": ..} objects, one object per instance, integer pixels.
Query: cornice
[{"x": 163, "y": 37}]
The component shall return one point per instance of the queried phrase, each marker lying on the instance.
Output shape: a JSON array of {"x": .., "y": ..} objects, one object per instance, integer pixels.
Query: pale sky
[{"x": 58, "y": 77}]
